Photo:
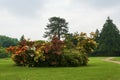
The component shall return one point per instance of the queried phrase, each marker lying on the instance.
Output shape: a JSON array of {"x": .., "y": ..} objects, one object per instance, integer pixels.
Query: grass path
[{"x": 110, "y": 59}]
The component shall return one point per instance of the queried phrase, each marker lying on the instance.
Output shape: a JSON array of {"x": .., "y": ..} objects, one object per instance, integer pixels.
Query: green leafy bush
[
  {"x": 3, "y": 53},
  {"x": 74, "y": 60}
]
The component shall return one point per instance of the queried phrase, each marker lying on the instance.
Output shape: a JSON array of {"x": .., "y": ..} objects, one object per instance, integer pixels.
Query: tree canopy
[
  {"x": 7, "y": 41},
  {"x": 109, "y": 39},
  {"x": 57, "y": 26}
]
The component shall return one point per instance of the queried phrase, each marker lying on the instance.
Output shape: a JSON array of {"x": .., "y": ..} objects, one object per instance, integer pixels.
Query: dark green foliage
[
  {"x": 70, "y": 41},
  {"x": 22, "y": 38},
  {"x": 64, "y": 60},
  {"x": 3, "y": 53},
  {"x": 39, "y": 41},
  {"x": 73, "y": 59},
  {"x": 7, "y": 41},
  {"x": 97, "y": 35},
  {"x": 57, "y": 26},
  {"x": 109, "y": 39}
]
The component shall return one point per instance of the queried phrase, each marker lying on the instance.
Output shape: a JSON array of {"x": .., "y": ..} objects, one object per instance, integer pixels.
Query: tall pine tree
[
  {"x": 57, "y": 26},
  {"x": 109, "y": 39}
]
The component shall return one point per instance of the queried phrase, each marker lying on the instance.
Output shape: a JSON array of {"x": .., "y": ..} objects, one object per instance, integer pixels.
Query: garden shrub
[
  {"x": 3, "y": 53},
  {"x": 41, "y": 54},
  {"x": 31, "y": 54},
  {"x": 74, "y": 60}
]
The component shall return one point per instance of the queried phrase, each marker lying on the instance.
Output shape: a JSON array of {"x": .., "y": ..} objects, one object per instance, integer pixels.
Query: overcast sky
[{"x": 30, "y": 17}]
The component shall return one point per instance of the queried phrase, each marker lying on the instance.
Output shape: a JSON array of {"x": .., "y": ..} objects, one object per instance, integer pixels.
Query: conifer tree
[{"x": 109, "y": 39}]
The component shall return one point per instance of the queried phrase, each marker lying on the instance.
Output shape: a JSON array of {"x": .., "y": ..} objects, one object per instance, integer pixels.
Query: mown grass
[{"x": 97, "y": 69}]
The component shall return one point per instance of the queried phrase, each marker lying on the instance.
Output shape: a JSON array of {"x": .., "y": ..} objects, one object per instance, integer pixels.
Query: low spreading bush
[
  {"x": 35, "y": 54},
  {"x": 74, "y": 60}
]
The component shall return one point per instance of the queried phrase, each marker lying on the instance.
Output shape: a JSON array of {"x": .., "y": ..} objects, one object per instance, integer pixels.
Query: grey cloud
[
  {"x": 22, "y": 7},
  {"x": 105, "y": 3},
  {"x": 100, "y": 3}
]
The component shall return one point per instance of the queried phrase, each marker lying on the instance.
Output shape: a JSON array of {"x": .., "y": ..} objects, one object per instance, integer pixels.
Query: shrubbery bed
[{"x": 33, "y": 54}]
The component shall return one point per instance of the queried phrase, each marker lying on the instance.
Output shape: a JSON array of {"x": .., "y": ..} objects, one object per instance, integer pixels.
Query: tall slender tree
[
  {"x": 57, "y": 26},
  {"x": 97, "y": 35},
  {"x": 109, "y": 39}
]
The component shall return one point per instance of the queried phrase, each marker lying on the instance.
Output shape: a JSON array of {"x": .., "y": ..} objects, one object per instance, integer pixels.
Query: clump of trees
[
  {"x": 56, "y": 52},
  {"x": 7, "y": 41},
  {"x": 66, "y": 49},
  {"x": 4, "y": 43},
  {"x": 108, "y": 40},
  {"x": 30, "y": 53}
]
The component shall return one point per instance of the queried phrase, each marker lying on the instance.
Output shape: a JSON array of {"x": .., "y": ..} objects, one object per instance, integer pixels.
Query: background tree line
[
  {"x": 6, "y": 42},
  {"x": 108, "y": 40}
]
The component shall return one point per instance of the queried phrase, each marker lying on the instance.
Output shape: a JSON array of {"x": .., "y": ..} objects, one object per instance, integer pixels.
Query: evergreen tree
[
  {"x": 109, "y": 40},
  {"x": 22, "y": 38},
  {"x": 97, "y": 35},
  {"x": 57, "y": 26}
]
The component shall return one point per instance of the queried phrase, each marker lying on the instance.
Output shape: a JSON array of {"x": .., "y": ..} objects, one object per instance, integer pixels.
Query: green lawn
[{"x": 96, "y": 70}]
